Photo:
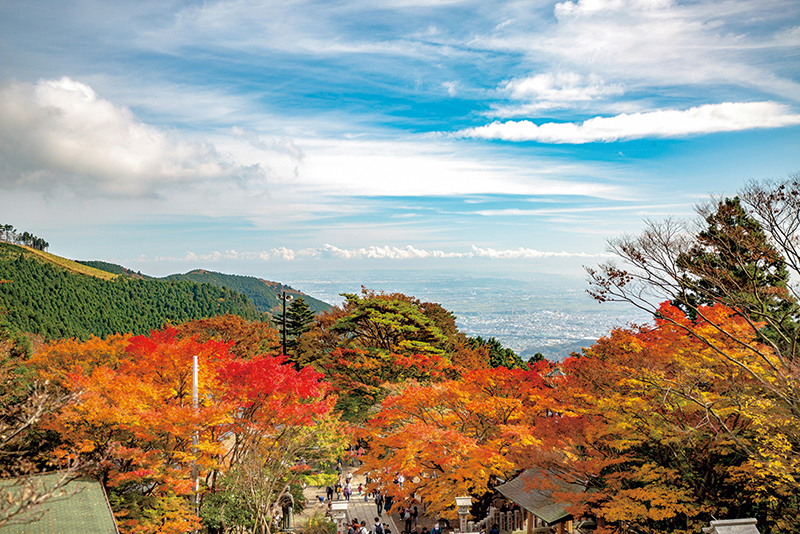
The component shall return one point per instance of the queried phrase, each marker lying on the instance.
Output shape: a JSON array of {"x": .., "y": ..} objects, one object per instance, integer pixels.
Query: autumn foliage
[
  {"x": 454, "y": 437},
  {"x": 135, "y": 412},
  {"x": 656, "y": 428}
]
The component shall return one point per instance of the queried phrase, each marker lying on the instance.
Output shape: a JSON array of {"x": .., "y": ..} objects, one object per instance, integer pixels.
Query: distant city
[{"x": 551, "y": 314}]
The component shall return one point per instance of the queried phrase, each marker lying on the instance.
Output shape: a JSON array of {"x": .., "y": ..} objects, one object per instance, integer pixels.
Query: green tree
[
  {"x": 732, "y": 261},
  {"x": 388, "y": 322},
  {"x": 299, "y": 320}
]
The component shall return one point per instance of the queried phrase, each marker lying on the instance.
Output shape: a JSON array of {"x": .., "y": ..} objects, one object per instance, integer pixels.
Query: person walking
[
  {"x": 408, "y": 519},
  {"x": 379, "y": 502}
]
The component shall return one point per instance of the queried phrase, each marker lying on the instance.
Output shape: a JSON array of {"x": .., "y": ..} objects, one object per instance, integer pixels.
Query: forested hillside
[
  {"x": 43, "y": 298},
  {"x": 264, "y": 294},
  {"x": 114, "y": 269}
]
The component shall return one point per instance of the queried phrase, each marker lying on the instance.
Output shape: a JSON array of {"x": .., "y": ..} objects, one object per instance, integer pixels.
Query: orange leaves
[
  {"x": 249, "y": 338},
  {"x": 56, "y": 359},
  {"x": 453, "y": 437},
  {"x": 135, "y": 404},
  {"x": 664, "y": 418}
]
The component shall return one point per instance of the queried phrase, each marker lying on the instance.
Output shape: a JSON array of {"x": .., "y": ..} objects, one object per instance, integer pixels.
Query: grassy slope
[
  {"x": 69, "y": 265},
  {"x": 115, "y": 269}
]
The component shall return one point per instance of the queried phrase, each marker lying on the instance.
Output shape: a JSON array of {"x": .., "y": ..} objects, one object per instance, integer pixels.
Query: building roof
[
  {"x": 83, "y": 508},
  {"x": 522, "y": 490},
  {"x": 732, "y": 526}
]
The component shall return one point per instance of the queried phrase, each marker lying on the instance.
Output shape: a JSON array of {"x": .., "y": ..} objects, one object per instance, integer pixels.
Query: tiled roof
[
  {"x": 83, "y": 509},
  {"x": 540, "y": 503}
]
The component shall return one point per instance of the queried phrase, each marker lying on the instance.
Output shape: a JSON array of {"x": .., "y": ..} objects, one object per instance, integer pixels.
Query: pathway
[{"x": 357, "y": 507}]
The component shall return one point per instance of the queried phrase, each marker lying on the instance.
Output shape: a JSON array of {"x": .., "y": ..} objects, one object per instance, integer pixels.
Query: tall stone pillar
[{"x": 463, "y": 504}]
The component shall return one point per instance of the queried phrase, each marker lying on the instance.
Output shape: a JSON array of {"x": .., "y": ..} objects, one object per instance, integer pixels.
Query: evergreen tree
[
  {"x": 733, "y": 262},
  {"x": 299, "y": 319}
]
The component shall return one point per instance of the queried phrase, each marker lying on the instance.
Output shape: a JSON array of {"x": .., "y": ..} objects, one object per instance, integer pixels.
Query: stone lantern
[
  {"x": 463, "y": 504},
  {"x": 339, "y": 511}
]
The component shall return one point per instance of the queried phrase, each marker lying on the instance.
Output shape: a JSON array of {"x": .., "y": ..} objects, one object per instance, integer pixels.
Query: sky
[{"x": 279, "y": 137}]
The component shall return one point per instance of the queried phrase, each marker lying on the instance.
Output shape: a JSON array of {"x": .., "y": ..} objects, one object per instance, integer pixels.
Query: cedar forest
[{"x": 655, "y": 428}]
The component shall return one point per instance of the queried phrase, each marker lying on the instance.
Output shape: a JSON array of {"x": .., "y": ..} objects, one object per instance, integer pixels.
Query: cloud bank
[
  {"x": 61, "y": 132},
  {"x": 670, "y": 123},
  {"x": 408, "y": 252}
]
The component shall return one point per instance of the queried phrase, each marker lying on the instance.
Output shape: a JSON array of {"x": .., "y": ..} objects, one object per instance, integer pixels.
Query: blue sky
[{"x": 283, "y": 136}]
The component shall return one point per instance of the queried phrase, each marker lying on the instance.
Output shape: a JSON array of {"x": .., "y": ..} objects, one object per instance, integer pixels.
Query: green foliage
[
  {"x": 42, "y": 298},
  {"x": 498, "y": 355},
  {"x": 319, "y": 524},
  {"x": 264, "y": 294},
  {"x": 734, "y": 262},
  {"x": 224, "y": 508},
  {"x": 538, "y": 357},
  {"x": 297, "y": 497},
  {"x": 388, "y": 322},
  {"x": 299, "y": 320},
  {"x": 321, "y": 479},
  {"x": 10, "y": 235}
]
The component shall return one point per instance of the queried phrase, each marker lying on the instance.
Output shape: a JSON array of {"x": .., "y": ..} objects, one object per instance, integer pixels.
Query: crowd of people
[{"x": 345, "y": 488}]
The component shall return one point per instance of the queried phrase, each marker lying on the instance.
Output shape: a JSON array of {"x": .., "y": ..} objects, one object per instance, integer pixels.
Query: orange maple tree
[
  {"x": 454, "y": 437},
  {"x": 135, "y": 411}
]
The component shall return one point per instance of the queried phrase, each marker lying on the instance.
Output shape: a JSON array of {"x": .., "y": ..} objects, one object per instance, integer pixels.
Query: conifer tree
[{"x": 299, "y": 319}]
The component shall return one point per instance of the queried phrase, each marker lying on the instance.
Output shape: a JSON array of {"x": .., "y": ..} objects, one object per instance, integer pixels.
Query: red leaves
[
  {"x": 138, "y": 392},
  {"x": 273, "y": 390}
]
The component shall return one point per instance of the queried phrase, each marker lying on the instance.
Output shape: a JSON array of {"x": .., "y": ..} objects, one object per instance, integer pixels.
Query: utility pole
[
  {"x": 195, "y": 441},
  {"x": 284, "y": 298}
]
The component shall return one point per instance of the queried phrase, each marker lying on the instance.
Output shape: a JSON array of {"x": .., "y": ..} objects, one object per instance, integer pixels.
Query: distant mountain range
[
  {"x": 55, "y": 297},
  {"x": 264, "y": 293}
]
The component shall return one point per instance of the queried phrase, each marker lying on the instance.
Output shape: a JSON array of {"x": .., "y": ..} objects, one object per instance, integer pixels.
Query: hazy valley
[{"x": 551, "y": 314}]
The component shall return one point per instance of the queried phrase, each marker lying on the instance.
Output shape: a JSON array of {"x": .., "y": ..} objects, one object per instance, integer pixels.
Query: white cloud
[
  {"x": 662, "y": 43},
  {"x": 554, "y": 91},
  {"x": 709, "y": 118},
  {"x": 373, "y": 252},
  {"x": 528, "y": 254},
  {"x": 452, "y": 88},
  {"x": 386, "y": 252},
  {"x": 59, "y": 132},
  {"x": 590, "y": 7},
  {"x": 434, "y": 167}
]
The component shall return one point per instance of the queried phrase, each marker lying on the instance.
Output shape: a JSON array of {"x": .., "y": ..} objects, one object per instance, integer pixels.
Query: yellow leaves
[{"x": 646, "y": 493}]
